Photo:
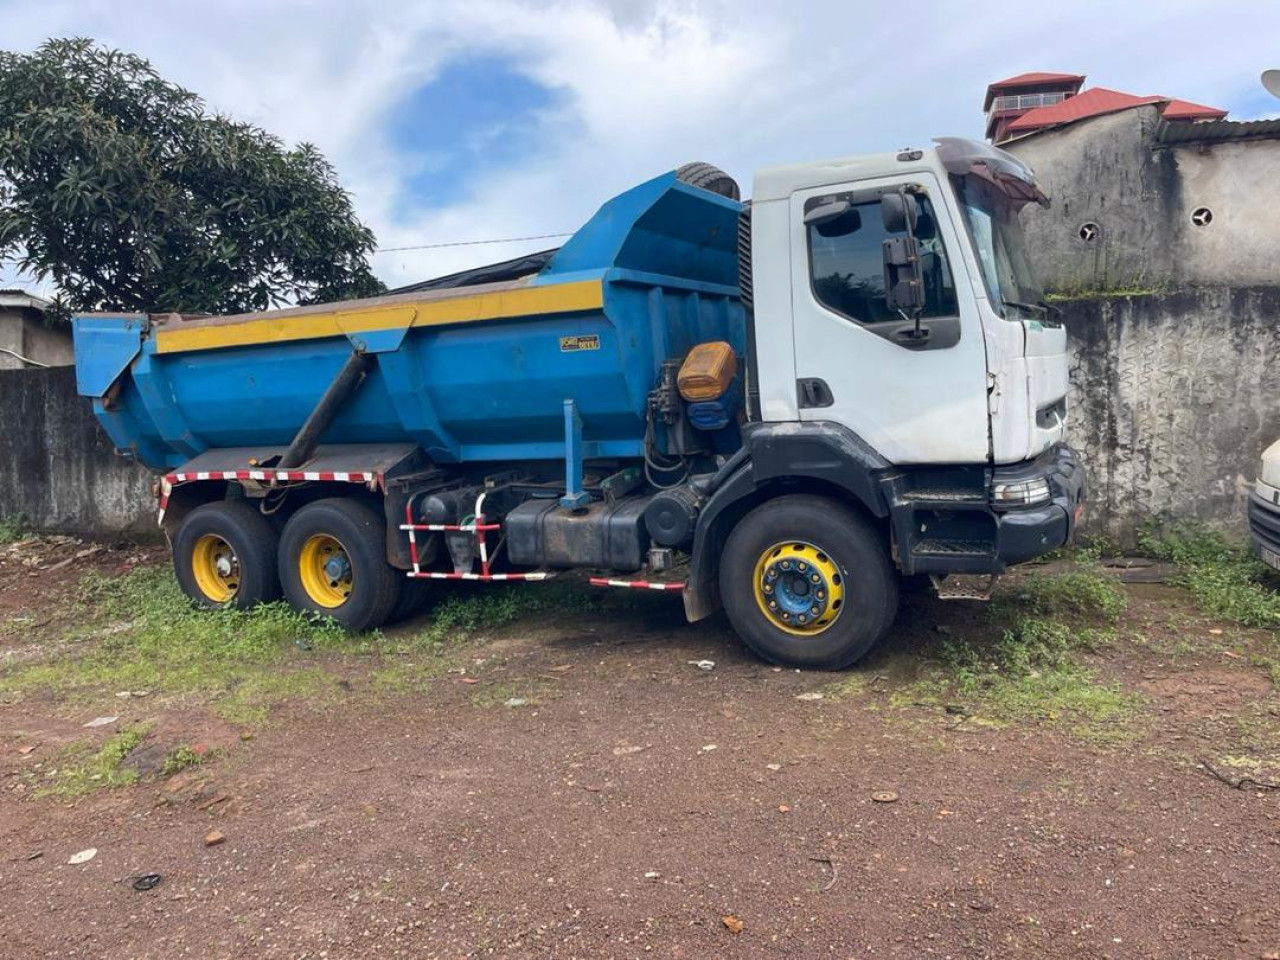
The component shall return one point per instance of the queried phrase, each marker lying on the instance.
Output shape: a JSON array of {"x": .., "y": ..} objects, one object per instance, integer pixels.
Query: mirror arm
[{"x": 906, "y": 223}]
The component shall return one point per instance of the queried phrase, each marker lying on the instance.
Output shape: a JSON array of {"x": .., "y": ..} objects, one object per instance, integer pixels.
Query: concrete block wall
[
  {"x": 1173, "y": 398},
  {"x": 58, "y": 469}
]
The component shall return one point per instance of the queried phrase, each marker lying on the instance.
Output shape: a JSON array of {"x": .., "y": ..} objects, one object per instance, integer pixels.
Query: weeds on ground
[
  {"x": 1028, "y": 668},
  {"x": 182, "y": 757},
  {"x": 141, "y": 633},
  {"x": 82, "y": 770},
  {"x": 12, "y": 529},
  {"x": 1225, "y": 579},
  {"x": 158, "y": 641},
  {"x": 459, "y": 616}
]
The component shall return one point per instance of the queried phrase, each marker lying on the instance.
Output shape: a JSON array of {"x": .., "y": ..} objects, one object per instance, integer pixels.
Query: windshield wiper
[{"x": 1042, "y": 309}]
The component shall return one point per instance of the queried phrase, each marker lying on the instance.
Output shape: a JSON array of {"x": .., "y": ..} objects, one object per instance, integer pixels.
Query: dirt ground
[{"x": 573, "y": 786}]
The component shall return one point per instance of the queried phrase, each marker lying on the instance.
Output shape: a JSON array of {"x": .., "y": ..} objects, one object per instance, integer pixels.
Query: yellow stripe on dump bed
[{"x": 295, "y": 325}]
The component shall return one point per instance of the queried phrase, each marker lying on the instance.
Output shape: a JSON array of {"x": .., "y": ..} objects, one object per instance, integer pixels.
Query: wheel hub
[
  {"x": 799, "y": 587},
  {"x": 216, "y": 568},
  {"x": 325, "y": 571}
]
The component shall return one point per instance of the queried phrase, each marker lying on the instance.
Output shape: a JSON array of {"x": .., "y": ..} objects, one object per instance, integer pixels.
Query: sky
[{"x": 461, "y": 121}]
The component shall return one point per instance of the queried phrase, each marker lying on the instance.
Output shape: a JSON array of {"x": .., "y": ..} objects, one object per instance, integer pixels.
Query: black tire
[
  {"x": 371, "y": 586},
  {"x": 847, "y": 544},
  {"x": 711, "y": 178},
  {"x": 413, "y": 596},
  {"x": 252, "y": 542}
]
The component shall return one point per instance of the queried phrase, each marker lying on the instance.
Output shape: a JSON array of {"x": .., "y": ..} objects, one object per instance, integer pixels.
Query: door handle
[{"x": 814, "y": 392}]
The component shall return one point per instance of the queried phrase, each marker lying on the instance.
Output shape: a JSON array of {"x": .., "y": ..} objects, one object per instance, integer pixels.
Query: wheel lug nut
[
  {"x": 802, "y": 566},
  {"x": 768, "y": 588},
  {"x": 801, "y": 618},
  {"x": 822, "y": 594},
  {"x": 815, "y": 578}
]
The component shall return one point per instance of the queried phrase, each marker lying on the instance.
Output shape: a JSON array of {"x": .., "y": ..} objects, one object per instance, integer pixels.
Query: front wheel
[
  {"x": 805, "y": 582},
  {"x": 331, "y": 563}
]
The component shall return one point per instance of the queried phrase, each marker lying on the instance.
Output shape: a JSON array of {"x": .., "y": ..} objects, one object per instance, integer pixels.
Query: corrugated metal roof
[
  {"x": 1091, "y": 103},
  {"x": 1210, "y": 131}
]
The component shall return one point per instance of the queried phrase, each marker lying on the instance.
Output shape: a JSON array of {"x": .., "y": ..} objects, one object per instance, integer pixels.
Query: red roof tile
[
  {"x": 1090, "y": 103},
  {"x": 1030, "y": 80},
  {"x": 1186, "y": 110}
]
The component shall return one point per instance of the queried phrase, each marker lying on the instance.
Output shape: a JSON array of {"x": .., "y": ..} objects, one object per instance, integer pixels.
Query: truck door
[{"x": 914, "y": 399}]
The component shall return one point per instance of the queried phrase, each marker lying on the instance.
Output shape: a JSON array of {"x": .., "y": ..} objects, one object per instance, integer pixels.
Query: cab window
[{"x": 846, "y": 261}]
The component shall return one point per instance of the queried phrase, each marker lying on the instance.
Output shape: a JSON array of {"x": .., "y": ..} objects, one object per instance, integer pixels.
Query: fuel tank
[{"x": 472, "y": 373}]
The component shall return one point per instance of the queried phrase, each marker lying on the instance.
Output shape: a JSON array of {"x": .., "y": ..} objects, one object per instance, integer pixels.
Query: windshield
[{"x": 992, "y": 221}]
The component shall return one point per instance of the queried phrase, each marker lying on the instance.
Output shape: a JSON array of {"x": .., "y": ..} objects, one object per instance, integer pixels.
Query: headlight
[{"x": 1022, "y": 493}]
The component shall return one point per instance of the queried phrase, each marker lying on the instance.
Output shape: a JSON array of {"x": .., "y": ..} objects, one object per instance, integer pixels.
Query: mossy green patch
[{"x": 81, "y": 769}]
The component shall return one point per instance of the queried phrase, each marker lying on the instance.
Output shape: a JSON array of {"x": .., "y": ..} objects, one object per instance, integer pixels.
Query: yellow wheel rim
[
  {"x": 799, "y": 588},
  {"x": 216, "y": 568},
  {"x": 325, "y": 570}
]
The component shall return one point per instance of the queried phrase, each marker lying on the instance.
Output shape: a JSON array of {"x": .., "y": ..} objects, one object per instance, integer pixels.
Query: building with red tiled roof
[
  {"x": 1031, "y": 102},
  {"x": 1009, "y": 99}
]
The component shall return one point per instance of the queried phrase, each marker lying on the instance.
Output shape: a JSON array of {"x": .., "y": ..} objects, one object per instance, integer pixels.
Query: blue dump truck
[{"x": 776, "y": 407}]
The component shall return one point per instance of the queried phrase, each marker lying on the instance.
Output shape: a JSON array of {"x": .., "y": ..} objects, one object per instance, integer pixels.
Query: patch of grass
[
  {"x": 12, "y": 529},
  {"x": 1028, "y": 669},
  {"x": 252, "y": 696},
  {"x": 409, "y": 675},
  {"x": 507, "y": 692},
  {"x": 182, "y": 757},
  {"x": 83, "y": 772},
  {"x": 846, "y": 687},
  {"x": 160, "y": 642},
  {"x": 1078, "y": 594},
  {"x": 460, "y": 616},
  {"x": 1225, "y": 579}
]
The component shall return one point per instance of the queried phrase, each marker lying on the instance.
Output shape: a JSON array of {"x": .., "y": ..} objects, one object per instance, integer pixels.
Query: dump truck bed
[{"x": 473, "y": 373}]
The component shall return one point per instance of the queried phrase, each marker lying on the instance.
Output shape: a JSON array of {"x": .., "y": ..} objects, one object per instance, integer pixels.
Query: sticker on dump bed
[{"x": 589, "y": 341}]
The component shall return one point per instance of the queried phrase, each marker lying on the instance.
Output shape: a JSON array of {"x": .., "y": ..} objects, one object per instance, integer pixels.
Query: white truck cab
[{"x": 903, "y": 358}]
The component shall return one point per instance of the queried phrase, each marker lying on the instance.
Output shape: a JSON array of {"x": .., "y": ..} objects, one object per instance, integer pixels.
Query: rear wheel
[
  {"x": 224, "y": 555},
  {"x": 806, "y": 582},
  {"x": 331, "y": 563}
]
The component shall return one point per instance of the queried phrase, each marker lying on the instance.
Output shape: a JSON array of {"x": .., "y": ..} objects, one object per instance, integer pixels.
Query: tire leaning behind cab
[{"x": 839, "y": 545}]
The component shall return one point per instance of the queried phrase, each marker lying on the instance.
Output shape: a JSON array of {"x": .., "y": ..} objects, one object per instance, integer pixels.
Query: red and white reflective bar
[
  {"x": 327, "y": 476},
  {"x": 432, "y": 575},
  {"x": 169, "y": 481},
  {"x": 635, "y": 584},
  {"x": 446, "y": 527}
]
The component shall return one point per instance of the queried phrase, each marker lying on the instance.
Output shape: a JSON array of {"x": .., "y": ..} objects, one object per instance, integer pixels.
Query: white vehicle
[{"x": 1264, "y": 507}]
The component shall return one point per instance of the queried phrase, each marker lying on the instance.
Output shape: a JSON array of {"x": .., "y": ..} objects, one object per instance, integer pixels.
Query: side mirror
[
  {"x": 903, "y": 280},
  {"x": 899, "y": 211}
]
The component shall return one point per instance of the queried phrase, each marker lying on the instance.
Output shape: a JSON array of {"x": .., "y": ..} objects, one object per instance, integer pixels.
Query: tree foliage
[{"x": 124, "y": 190}]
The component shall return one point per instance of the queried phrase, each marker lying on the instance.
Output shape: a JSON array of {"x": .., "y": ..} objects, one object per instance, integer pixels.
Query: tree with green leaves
[{"x": 130, "y": 195}]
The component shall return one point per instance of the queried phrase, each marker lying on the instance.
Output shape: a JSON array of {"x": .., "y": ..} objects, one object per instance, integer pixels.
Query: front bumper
[
  {"x": 1023, "y": 533},
  {"x": 945, "y": 520},
  {"x": 1264, "y": 523}
]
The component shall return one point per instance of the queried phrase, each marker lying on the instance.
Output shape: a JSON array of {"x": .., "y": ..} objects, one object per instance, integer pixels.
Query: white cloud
[{"x": 647, "y": 85}]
